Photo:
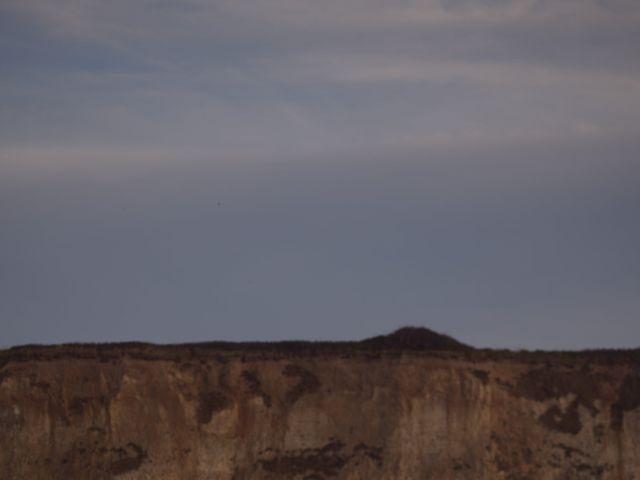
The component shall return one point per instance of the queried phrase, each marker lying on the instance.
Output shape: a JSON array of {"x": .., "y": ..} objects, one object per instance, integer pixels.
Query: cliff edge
[{"x": 410, "y": 405}]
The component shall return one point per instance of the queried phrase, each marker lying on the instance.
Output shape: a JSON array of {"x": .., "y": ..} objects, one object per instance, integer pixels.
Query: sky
[{"x": 194, "y": 170}]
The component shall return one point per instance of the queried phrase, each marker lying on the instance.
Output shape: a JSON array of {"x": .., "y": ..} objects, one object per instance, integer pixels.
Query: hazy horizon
[{"x": 175, "y": 171}]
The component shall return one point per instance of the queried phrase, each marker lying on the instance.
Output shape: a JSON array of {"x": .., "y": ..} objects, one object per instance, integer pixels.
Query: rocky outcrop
[{"x": 410, "y": 406}]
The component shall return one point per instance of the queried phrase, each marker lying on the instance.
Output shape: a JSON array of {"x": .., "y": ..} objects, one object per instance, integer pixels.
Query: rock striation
[{"x": 411, "y": 405}]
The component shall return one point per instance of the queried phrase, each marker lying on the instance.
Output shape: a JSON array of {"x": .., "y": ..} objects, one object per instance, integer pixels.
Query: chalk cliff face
[{"x": 311, "y": 412}]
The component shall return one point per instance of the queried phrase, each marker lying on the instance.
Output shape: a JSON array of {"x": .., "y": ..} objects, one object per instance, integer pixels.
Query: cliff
[{"x": 413, "y": 405}]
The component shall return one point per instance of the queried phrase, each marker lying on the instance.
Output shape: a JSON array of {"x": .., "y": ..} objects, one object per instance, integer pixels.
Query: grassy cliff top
[{"x": 405, "y": 341}]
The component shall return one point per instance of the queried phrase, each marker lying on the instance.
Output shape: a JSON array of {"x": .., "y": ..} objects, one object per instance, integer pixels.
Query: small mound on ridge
[{"x": 415, "y": 338}]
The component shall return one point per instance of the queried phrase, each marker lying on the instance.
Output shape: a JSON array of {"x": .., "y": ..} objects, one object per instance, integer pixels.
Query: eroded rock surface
[{"x": 370, "y": 410}]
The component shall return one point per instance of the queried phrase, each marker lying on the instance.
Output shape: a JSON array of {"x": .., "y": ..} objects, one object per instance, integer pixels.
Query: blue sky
[{"x": 191, "y": 170}]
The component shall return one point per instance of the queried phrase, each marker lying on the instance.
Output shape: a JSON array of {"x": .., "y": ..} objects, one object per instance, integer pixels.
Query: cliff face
[{"x": 146, "y": 412}]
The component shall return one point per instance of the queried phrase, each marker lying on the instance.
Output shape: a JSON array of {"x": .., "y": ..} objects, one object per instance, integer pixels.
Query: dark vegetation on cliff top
[
  {"x": 411, "y": 340},
  {"x": 415, "y": 338},
  {"x": 405, "y": 338}
]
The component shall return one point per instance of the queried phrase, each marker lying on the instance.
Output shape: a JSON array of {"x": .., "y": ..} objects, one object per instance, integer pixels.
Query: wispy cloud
[{"x": 227, "y": 75}]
